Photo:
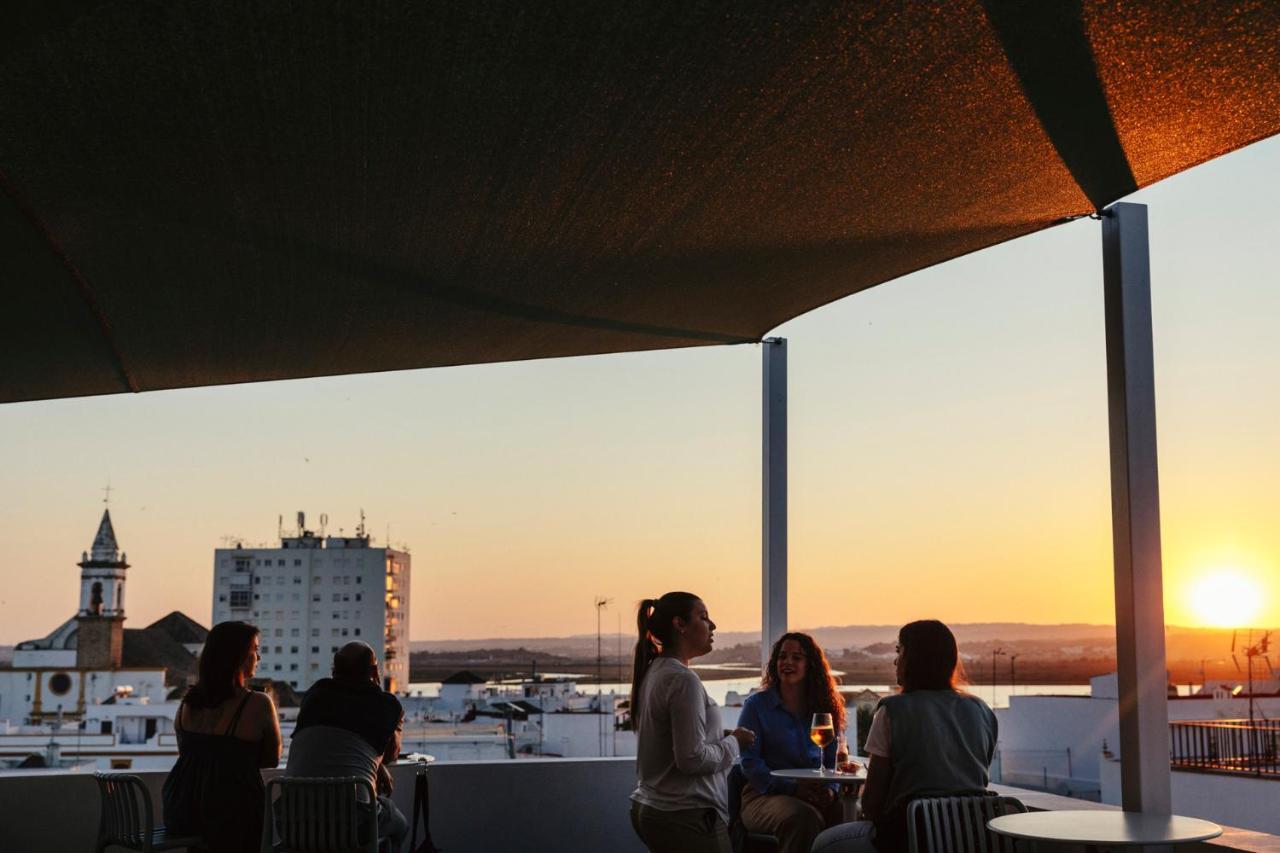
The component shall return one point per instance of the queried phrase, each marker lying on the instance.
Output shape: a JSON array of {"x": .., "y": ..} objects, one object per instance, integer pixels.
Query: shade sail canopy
[{"x": 198, "y": 193}]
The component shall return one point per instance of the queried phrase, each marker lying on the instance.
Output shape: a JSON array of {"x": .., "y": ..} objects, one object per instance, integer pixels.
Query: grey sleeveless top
[{"x": 942, "y": 742}]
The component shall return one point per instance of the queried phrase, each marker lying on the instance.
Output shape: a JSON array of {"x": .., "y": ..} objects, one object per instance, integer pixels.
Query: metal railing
[{"x": 1226, "y": 746}]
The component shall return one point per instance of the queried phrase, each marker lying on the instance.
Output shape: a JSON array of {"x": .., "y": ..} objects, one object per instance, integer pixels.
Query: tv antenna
[
  {"x": 601, "y": 604},
  {"x": 106, "y": 493},
  {"x": 1251, "y": 650},
  {"x": 360, "y": 530},
  {"x": 324, "y": 522}
]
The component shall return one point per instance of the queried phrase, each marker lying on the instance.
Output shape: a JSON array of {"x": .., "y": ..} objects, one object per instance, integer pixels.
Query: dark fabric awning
[{"x": 198, "y": 193}]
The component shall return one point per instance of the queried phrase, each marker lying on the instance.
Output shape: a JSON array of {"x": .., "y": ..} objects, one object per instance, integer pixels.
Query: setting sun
[{"x": 1225, "y": 599}]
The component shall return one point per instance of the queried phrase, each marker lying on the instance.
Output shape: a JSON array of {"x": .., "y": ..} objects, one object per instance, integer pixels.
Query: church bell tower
[{"x": 100, "y": 637}]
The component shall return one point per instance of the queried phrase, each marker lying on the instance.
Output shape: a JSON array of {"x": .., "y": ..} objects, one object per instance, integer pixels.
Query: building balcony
[{"x": 476, "y": 806}]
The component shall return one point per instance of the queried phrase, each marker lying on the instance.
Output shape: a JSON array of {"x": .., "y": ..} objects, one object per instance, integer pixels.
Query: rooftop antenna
[
  {"x": 106, "y": 492},
  {"x": 601, "y": 604},
  {"x": 280, "y": 525},
  {"x": 324, "y": 522},
  {"x": 302, "y": 522},
  {"x": 360, "y": 530}
]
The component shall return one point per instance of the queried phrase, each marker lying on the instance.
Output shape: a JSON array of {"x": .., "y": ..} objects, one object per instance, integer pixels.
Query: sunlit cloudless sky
[{"x": 948, "y": 454}]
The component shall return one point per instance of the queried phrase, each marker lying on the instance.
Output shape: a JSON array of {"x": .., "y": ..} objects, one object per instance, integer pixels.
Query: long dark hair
[
  {"x": 930, "y": 657},
  {"x": 223, "y": 655},
  {"x": 820, "y": 693},
  {"x": 654, "y": 624}
]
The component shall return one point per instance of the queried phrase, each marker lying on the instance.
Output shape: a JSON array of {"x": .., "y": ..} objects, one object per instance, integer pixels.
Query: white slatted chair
[
  {"x": 959, "y": 824},
  {"x": 320, "y": 815},
  {"x": 128, "y": 818}
]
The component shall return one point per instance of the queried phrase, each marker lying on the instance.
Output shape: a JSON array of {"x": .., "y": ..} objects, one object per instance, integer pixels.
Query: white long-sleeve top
[{"x": 683, "y": 755}]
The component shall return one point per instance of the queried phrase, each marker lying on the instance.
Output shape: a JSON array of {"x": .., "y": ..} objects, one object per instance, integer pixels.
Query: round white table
[
  {"x": 1095, "y": 829},
  {"x": 812, "y": 775}
]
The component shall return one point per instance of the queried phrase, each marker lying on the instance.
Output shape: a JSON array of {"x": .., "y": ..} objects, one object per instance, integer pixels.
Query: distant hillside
[
  {"x": 1186, "y": 648},
  {"x": 831, "y": 637}
]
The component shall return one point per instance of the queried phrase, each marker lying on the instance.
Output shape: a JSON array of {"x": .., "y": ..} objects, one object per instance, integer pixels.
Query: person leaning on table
[
  {"x": 680, "y": 804},
  {"x": 930, "y": 740}
]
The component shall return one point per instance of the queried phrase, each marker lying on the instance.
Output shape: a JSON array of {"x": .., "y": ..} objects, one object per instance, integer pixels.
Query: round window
[{"x": 60, "y": 684}]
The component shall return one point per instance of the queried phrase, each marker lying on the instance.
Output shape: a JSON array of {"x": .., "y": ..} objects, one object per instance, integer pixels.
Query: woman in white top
[{"x": 680, "y": 804}]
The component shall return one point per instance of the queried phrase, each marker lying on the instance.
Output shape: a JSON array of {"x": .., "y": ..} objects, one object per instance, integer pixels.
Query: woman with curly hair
[{"x": 797, "y": 684}]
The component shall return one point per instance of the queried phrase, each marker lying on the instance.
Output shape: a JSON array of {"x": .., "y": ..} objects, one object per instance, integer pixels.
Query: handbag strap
[{"x": 422, "y": 809}]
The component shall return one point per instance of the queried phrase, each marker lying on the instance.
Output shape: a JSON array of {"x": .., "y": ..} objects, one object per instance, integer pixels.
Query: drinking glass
[{"x": 822, "y": 733}]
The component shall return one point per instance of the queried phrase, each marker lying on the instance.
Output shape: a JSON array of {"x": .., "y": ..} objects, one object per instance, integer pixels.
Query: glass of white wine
[{"x": 822, "y": 733}]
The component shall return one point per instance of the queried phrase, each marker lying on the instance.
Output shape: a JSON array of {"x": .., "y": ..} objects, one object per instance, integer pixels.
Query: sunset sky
[{"x": 948, "y": 455}]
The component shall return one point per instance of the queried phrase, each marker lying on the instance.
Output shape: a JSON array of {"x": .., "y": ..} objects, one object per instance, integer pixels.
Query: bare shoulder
[{"x": 260, "y": 705}]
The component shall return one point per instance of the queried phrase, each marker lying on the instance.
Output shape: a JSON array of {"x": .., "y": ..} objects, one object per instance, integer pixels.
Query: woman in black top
[{"x": 226, "y": 732}]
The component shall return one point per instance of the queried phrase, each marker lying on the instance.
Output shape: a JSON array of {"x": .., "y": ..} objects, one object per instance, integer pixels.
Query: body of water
[{"x": 719, "y": 688}]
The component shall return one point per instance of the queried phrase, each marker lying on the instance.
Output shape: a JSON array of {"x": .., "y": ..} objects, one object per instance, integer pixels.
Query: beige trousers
[
  {"x": 681, "y": 831},
  {"x": 791, "y": 820}
]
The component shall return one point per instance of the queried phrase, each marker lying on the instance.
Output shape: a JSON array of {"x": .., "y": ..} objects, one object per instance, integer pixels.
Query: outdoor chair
[
  {"x": 959, "y": 824},
  {"x": 742, "y": 840},
  {"x": 128, "y": 819},
  {"x": 320, "y": 815}
]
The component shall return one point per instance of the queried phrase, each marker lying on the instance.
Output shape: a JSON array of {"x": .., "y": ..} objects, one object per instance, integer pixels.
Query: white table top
[
  {"x": 813, "y": 775},
  {"x": 1105, "y": 828}
]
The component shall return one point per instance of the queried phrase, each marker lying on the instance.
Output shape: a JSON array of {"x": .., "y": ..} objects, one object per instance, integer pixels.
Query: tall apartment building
[{"x": 312, "y": 595}]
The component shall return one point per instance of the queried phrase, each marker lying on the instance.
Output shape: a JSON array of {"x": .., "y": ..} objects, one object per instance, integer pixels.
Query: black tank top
[{"x": 215, "y": 789}]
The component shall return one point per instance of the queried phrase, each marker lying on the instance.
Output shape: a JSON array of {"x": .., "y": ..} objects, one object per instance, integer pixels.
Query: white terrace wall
[
  {"x": 477, "y": 807},
  {"x": 1248, "y": 802}
]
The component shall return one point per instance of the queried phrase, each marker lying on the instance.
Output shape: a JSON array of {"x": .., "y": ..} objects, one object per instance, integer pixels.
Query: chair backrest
[
  {"x": 959, "y": 824},
  {"x": 127, "y": 817},
  {"x": 320, "y": 815}
]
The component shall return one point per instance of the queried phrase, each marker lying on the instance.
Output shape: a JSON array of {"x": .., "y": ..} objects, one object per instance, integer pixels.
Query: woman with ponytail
[{"x": 680, "y": 804}]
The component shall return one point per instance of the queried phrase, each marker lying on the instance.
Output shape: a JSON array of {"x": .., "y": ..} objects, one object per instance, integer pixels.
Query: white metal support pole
[
  {"x": 773, "y": 527},
  {"x": 1135, "y": 512}
]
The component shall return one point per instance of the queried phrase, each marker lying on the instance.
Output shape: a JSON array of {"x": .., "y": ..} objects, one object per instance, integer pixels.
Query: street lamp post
[{"x": 994, "y": 653}]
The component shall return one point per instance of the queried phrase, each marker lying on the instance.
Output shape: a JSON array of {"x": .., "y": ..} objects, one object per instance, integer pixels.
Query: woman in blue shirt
[{"x": 797, "y": 685}]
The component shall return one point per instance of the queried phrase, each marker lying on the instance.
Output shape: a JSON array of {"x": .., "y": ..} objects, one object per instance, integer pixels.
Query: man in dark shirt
[{"x": 349, "y": 726}]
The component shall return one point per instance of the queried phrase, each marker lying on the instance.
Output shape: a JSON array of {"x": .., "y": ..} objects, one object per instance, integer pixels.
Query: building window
[
  {"x": 279, "y": 650},
  {"x": 315, "y": 596},
  {"x": 315, "y": 650},
  {"x": 358, "y": 596},
  {"x": 346, "y": 597},
  {"x": 279, "y": 632},
  {"x": 297, "y": 578},
  {"x": 297, "y": 562},
  {"x": 222, "y": 598},
  {"x": 293, "y": 650},
  {"x": 293, "y": 667},
  {"x": 279, "y": 562},
  {"x": 316, "y": 579},
  {"x": 335, "y": 649},
  {"x": 359, "y": 579},
  {"x": 60, "y": 684},
  {"x": 315, "y": 632},
  {"x": 357, "y": 632},
  {"x": 337, "y": 596},
  {"x": 333, "y": 632},
  {"x": 240, "y": 598},
  {"x": 276, "y": 667},
  {"x": 294, "y": 632},
  {"x": 344, "y": 632}
]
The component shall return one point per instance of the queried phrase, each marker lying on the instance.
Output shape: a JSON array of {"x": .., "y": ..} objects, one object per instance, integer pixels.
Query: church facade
[{"x": 91, "y": 658}]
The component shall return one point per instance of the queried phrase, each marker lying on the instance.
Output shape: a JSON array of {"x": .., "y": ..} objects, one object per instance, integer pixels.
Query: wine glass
[{"x": 822, "y": 733}]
